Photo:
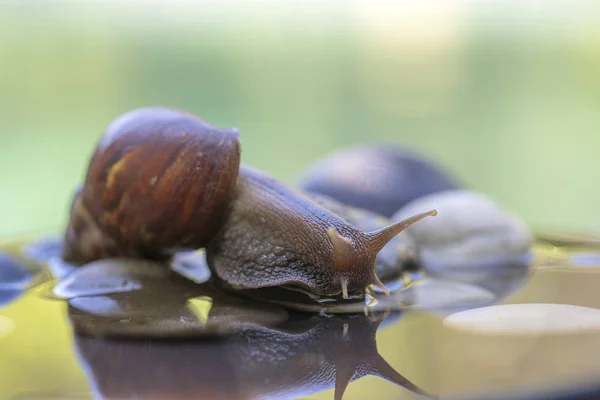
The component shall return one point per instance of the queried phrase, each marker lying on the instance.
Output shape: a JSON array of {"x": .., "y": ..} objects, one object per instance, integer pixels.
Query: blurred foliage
[
  {"x": 506, "y": 96},
  {"x": 506, "y": 99}
]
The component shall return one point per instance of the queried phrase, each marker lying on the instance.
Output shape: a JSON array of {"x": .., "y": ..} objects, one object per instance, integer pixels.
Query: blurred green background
[{"x": 506, "y": 95}]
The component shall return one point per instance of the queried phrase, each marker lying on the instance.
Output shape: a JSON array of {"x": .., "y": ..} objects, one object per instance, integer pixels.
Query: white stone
[
  {"x": 109, "y": 276},
  {"x": 526, "y": 319}
]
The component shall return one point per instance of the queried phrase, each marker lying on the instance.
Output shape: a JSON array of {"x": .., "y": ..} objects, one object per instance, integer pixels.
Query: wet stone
[
  {"x": 527, "y": 319},
  {"x": 111, "y": 276},
  {"x": 13, "y": 273},
  {"x": 43, "y": 249},
  {"x": 471, "y": 231},
  {"x": 191, "y": 265},
  {"x": 180, "y": 310},
  {"x": 14, "y": 278},
  {"x": 144, "y": 299},
  {"x": 380, "y": 178},
  {"x": 585, "y": 259}
]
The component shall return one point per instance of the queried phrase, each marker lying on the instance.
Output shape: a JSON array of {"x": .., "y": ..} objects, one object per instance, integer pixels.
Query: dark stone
[
  {"x": 379, "y": 178},
  {"x": 13, "y": 274},
  {"x": 14, "y": 278},
  {"x": 7, "y": 296}
]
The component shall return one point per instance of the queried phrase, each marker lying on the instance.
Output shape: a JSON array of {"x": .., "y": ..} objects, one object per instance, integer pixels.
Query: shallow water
[{"x": 432, "y": 345}]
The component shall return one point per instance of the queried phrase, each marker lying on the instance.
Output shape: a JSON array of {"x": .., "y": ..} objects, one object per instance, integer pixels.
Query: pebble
[
  {"x": 526, "y": 319},
  {"x": 14, "y": 278},
  {"x": 110, "y": 276},
  {"x": 438, "y": 295},
  {"x": 43, "y": 249},
  {"x": 13, "y": 273},
  {"x": 175, "y": 309},
  {"x": 379, "y": 178},
  {"x": 470, "y": 231},
  {"x": 191, "y": 265}
]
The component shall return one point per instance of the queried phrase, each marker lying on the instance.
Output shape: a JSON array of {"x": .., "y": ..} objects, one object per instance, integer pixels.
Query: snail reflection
[
  {"x": 297, "y": 357},
  {"x": 231, "y": 346}
]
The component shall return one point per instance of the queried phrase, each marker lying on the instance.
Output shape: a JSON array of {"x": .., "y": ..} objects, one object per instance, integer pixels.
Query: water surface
[{"x": 54, "y": 350}]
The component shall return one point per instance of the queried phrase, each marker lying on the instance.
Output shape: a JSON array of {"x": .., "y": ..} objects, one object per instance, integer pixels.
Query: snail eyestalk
[
  {"x": 342, "y": 250},
  {"x": 376, "y": 282},
  {"x": 378, "y": 239}
]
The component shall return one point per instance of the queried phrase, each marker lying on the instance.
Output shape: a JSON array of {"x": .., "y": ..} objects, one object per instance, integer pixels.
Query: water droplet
[{"x": 370, "y": 300}]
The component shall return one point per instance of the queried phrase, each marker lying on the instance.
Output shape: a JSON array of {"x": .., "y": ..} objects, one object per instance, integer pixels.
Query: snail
[{"x": 162, "y": 180}]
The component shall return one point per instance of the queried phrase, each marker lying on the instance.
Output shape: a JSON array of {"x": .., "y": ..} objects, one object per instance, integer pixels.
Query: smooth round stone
[
  {"x": 110, "y": 276},
  {"x": 59, "y": 267},
  {"x": 438, "y": 295},
  {"x": 379, "y": 178},
  {"x": 585, "y": 259},
  {"x": 174, "y": 308},
  {"x": 526, "y": 319},
  {"x": 470, "y": 231},
  {"x": 7, "y": 296},
  {"x": 191, "y": 265},
  {"x": 43, "y": 249},
  {"x": 13, "y": 273}
]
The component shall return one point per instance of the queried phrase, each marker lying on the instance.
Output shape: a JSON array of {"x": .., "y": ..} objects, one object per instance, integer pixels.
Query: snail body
[
  {"x": 275, "y": 236},
  {"x": 396, "y": 257},
  {"x": 162, "y": 181}
]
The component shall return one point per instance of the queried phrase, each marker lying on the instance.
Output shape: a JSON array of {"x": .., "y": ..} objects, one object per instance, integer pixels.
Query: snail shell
[{"x": 159, "y": 180}]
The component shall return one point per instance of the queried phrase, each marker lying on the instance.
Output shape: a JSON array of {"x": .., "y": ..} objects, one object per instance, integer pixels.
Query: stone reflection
[
  {"x": 15, "y": 277},
  {"x": 297, "y": 357},
  {"x": 451, "y": 291},
  {"x": 169, "y": 307}
]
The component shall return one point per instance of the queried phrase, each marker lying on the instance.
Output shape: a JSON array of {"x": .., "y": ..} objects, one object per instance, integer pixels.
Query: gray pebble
[
  {"x": 470, "y": 231},
  {"x": 13, "y": 273},
  {"x": 14, "y": 278},
  {"x": 111, "y": 276}
]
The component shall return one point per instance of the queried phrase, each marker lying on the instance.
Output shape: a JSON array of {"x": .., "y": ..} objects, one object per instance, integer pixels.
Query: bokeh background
[{"x": 504, "y": 94}]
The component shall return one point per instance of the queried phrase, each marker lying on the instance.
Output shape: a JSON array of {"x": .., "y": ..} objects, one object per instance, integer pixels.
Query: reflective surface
[{"x": 173, "y": 338}]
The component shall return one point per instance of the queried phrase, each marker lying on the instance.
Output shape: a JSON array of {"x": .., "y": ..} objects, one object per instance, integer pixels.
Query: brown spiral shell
[{"x": 160, "y": 180}]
